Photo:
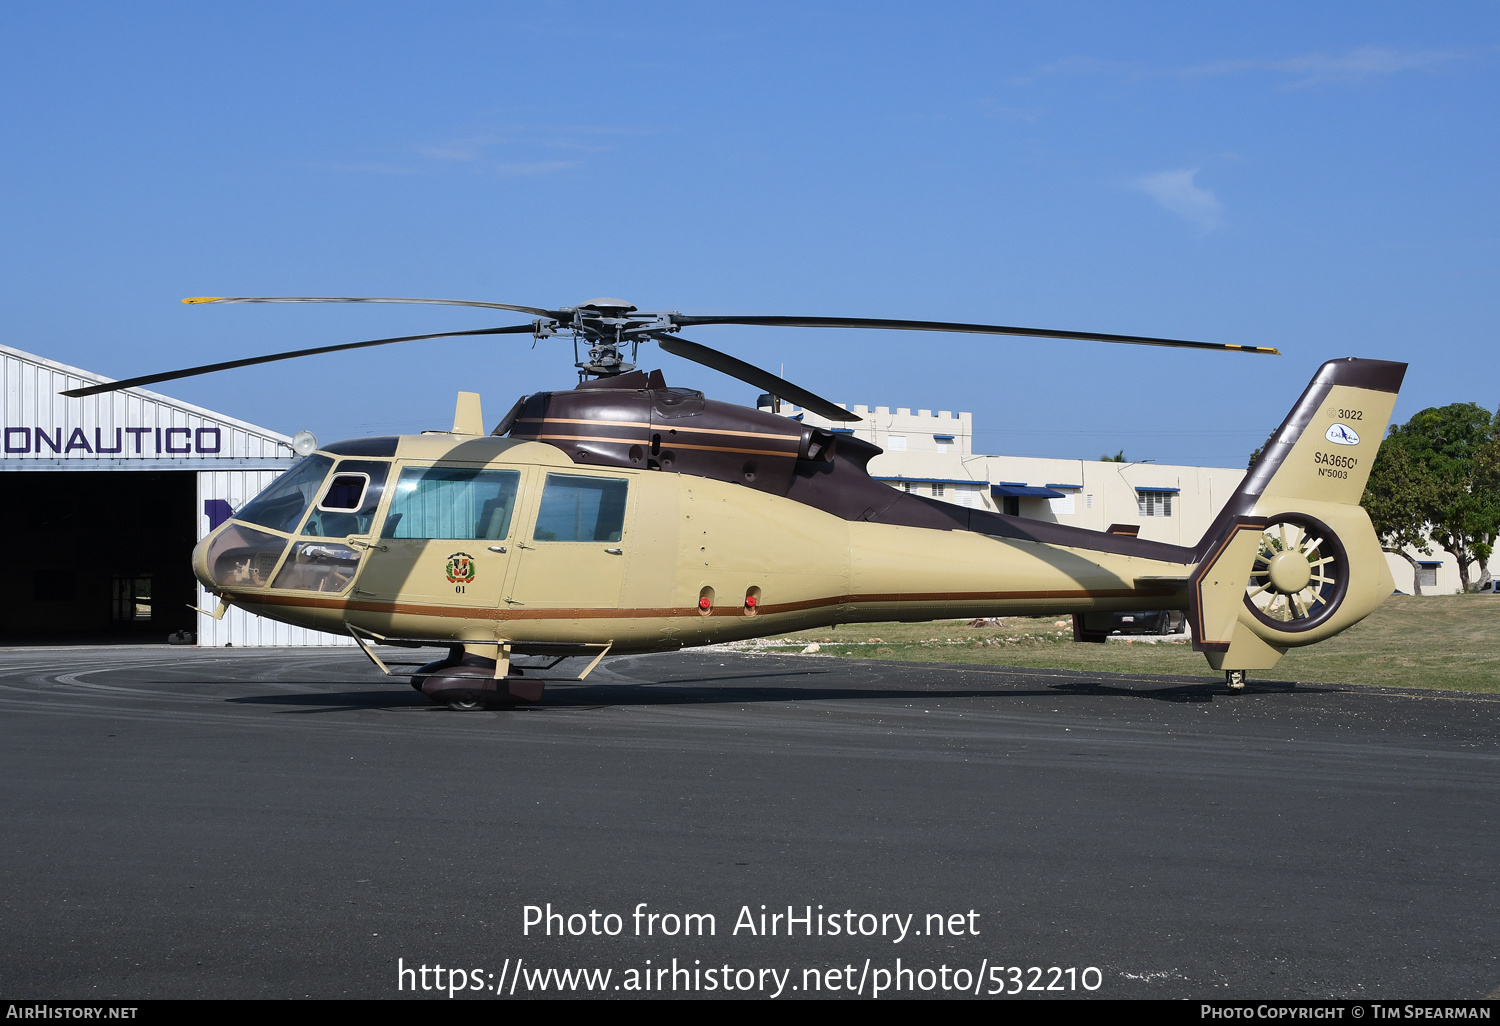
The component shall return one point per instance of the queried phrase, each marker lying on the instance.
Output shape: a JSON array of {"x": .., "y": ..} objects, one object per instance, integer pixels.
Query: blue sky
[{"x": 1317, "y": 177}]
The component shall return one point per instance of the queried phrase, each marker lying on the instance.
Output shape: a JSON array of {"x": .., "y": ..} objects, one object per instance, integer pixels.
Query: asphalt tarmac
[{"x": 288, "y": 823}]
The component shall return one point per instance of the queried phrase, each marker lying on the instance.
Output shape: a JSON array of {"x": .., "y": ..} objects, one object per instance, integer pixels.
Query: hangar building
[{"x": 104, "y": 499}]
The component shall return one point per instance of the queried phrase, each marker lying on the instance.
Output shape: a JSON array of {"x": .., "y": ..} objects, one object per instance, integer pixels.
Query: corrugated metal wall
[{"x": 134, "y": 421}]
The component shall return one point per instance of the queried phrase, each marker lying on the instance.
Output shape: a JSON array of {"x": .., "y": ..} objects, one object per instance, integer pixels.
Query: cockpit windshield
[{"x": 280, "y": 507}]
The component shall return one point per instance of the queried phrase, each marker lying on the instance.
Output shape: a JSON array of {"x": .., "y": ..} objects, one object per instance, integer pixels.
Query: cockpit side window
[
  {"x": 344, "y": 492},
  {"x": 281, "y": 506},
  {"x": 348, "y": 503},
  {"x": 453, "y": 503}
]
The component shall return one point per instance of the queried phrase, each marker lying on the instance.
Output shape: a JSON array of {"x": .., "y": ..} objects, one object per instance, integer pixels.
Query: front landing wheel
[{"x": 1235, "y": 679}]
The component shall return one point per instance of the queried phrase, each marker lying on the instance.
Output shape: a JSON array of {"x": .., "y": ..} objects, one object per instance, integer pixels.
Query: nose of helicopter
[
  {"x": 200, "y": 563},
  {"x": 237, "y": 558}
]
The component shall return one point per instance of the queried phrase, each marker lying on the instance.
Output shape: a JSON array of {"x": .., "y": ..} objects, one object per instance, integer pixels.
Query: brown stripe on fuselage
[
  {"x": 486, "y": 613},
  {"x": 667, "y": 445},
  {"x": 675, "y": 428},
  {"x": 566, "y": 420}
]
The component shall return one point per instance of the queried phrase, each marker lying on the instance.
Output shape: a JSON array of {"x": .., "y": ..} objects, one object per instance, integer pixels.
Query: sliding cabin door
[{"x": 574, "y": 543}]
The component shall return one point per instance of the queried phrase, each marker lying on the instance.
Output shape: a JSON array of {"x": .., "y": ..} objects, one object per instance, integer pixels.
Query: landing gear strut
[{"x": 1235, "y": 679}]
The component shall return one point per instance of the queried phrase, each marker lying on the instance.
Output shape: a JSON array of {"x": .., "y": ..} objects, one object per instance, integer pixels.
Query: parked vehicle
[{"x": 1155, "y": 621}]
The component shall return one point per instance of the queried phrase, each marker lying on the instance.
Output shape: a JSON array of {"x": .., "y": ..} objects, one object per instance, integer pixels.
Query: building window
[
  {"x": 1154, "y": 504},
  {"x": 1427, "y": 575},
  {"x": 1065, "y": 506},
  {"x": 895, "y": 443},
  {"x": 937, "y": 489},
  {"x": 906, "y": 486},
  {"x": 943, "y": 441}
]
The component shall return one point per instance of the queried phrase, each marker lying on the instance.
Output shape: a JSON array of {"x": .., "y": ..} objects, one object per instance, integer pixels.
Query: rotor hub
[
  {"x": 608, "y": 325},
  {"x": 1290, "y": 572}
]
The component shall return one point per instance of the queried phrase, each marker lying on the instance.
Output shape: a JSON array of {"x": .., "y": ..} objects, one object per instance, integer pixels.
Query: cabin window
[
  {"x": 280, "y": 507},
  {"x": 589, "y": 509},
  {"x": 453, "y": 503}
]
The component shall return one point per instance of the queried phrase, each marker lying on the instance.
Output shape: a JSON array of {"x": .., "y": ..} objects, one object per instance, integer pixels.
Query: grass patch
[{"x": 1444, "y": 641}]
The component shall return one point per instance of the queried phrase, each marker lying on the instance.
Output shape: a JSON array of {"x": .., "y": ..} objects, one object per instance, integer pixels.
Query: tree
[
  {"x": 1487, "y": 482},
  {"x": 1118, "y": 457},
  {"x": 1258, "y": 453},
  {"x": 1396, "y": 498},
  {"x": 1452, "y": 450}
]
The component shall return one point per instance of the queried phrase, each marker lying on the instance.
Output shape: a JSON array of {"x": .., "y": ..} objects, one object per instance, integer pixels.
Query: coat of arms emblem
[{"x": 461, "y": 569}]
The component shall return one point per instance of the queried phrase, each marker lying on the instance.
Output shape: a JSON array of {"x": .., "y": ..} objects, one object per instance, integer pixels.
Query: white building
[{"x": 105, "y": 498}]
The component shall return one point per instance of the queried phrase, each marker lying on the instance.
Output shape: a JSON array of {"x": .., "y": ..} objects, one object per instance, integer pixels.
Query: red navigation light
[
  {"x": 750, "y": 601},
  {"x": 705, "y": 603}
]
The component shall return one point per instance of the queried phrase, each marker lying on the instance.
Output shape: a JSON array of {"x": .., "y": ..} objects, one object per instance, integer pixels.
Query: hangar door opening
[{"x": 97, "y": 557}]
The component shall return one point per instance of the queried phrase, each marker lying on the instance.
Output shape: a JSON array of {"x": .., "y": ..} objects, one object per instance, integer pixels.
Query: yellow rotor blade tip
[{"x": 190, "y": 300}]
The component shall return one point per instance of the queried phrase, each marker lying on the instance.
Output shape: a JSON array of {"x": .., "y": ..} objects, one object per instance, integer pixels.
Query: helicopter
[{"x": 623, "y": 515}]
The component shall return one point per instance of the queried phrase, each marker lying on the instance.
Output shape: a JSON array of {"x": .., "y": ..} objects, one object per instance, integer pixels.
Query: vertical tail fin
[{"x": 1292, "y": 558}]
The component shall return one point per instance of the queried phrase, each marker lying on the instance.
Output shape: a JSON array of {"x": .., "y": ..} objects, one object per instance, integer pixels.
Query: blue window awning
[{"x": 1008, "y": 490}]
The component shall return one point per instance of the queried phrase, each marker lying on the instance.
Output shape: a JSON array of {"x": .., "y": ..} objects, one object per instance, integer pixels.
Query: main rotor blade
[
  {"x": 981, "y": 329},
  {"x": 149, "y": 379},
  {"x": 197, "y": 300},
  {"x": 751, "y": 375}
]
